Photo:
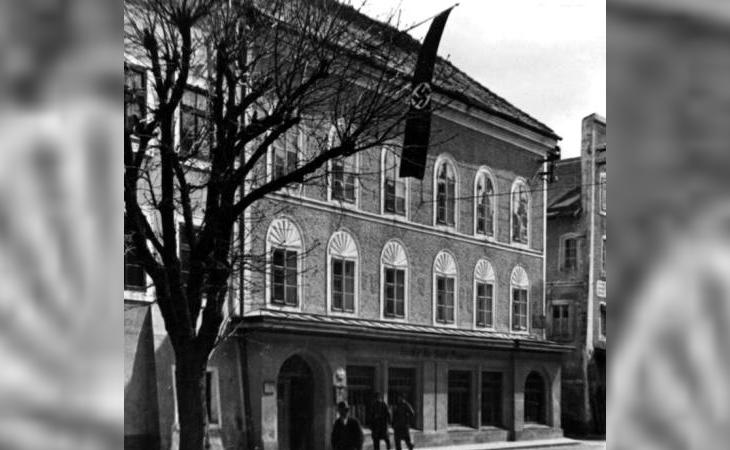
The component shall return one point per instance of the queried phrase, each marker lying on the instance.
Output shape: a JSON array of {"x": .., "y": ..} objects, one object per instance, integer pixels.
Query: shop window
[
  {"x": 402, "y": 381},
  {"x": 360, "y": 391},
  {"x": 459, "y": 398},
  {"x": 492, "y": 399}
]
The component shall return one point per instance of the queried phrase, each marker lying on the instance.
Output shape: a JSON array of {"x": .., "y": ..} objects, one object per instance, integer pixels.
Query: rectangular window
[
  {"x": 519, "y": 309},
  {"x": 602, "y": 189},
  {"x": 570, "y": 254},
  {"x": 286, "y": 154},
  {"x": 343, "y": 285},
  {"x": 184, "y": 250},
  {"x": 445, "y": 299},
  {"x": 561, "y": 326},
  {"x": 484, "y": 304},
  {"x": 343, "y": 179},
  {"x": 193, "y": 117},
  {"x": 395, "y": 292},
  {"x": 360, "y": 390},
  {"x": 134, "y": 276},
  {"x": 459, "y": 398},
  {"x": 284, "y": 277},
  {"x": 402, "y": 381},
  {"x": 135, "y": 95},
  {"x": 395, "y": 187},
  {"x": 492, "y": 399},
  {"x": 603, "y": 320},
  {"x": 603, "y": 256}
]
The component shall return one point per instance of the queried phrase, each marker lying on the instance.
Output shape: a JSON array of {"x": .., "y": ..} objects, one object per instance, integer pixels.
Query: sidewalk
[{"x": 535, "y": 444}]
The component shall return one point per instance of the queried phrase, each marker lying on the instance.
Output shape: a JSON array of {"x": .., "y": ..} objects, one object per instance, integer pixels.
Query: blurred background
[{"x": 61, "y": 382}]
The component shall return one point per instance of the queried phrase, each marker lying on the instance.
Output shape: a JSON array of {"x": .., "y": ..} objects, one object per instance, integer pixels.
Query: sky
[{"x": 546, "y": 57}]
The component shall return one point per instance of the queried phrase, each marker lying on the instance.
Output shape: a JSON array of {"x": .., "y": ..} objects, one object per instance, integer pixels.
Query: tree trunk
[{"x": 191, "y": 404}]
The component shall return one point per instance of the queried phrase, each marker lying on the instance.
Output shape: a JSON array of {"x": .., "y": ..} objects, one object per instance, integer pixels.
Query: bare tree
[{"x": 262, "y": 70}]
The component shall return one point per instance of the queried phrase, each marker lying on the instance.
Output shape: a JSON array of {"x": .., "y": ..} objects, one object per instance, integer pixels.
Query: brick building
[
  {"x": 433, "y": 289},
  {"x": 576, "y": 276}
]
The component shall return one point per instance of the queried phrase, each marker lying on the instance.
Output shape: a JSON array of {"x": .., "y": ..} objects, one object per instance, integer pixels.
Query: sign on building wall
[{"x": 601, "y": 288}]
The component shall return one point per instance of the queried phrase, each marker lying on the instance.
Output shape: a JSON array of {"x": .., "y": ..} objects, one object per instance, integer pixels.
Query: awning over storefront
[{"x": 315, "y": 324}]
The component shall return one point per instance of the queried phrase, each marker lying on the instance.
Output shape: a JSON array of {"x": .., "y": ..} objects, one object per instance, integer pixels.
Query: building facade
[
  {"x": 433, "y": 289},
  {"x": 576, "y": 277}
]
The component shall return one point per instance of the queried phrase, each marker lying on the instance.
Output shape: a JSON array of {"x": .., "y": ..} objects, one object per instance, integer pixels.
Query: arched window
[
  {"x": 445, "y": 193},
  {"x": 394, "y": 273},
  {"x": 535, "y": 399},
  {"x": 520, "y": 212},
  {"x": 484, "y": 204},
  {"x": 445, "y": 288},
  {"x": 484, "y": 281},
  {"x": 394, "y": 187},
  {"x": 343, "y": 272},
  {"x": 519, "y": 285},
  {"x": 284, "y": 247}
]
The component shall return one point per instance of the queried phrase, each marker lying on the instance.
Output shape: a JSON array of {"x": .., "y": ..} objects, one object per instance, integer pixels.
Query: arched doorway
[
  {"x": 295, "y": 404},
  {"x": 535, "y": 399}
]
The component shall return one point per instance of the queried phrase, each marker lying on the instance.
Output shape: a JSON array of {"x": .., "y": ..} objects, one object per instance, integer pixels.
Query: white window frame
[
  {"x": 487, "y": 174},
  {"x": 288, "y": 239},
  {"x": 405, "y": 216},
  {"x": 446, "y": 159},
  {"x": 512, "y": 286},
  {"x": 343, "y": 238},
  {"x": 484, "y": 274},
  {"x": 520, "y": 181},
  {"x": 194, "y": 84},
  {"x": 445, "y": 268},
  {"x": 604, "y": 257},
  {"x": 216, "y": 393},
  {"x": 390, "y": 258},
  {"x": 330, "y": 181}
]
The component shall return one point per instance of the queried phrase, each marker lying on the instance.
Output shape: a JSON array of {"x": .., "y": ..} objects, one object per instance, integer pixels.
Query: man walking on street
[
  {"x": 347, "y": 432},
  {"x": 402, "y": 418},
  {"x": 379, "y": 420}
]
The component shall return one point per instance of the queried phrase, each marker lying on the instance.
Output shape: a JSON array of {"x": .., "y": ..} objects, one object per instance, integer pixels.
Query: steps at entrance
[{"x": 533, "y": 444}]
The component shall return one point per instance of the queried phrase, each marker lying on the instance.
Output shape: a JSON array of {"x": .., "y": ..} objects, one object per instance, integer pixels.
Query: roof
[
  {"x": 296, "y": 322},
  {"x": 564, "y": 194},
  {"x": 449, "y": 79}
]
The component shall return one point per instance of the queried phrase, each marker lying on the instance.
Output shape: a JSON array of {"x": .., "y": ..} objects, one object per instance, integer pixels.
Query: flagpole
[{"x": 428, "y": 18}]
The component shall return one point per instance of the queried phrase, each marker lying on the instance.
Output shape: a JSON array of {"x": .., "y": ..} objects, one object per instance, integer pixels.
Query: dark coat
[
  {"x": 403, "y": 415},
  {"x": 347, "y": 436},
  {"x": 379, "y": 420}
]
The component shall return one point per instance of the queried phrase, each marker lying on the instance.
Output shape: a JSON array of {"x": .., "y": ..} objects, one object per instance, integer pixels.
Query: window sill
[
  {"x": 491, "y": 428},
  {"x": 444, "y": 227},
  {"x": 537, "y": 426},
  {"x": 394, "y": 216},
  {"x": 280, "y": 307}
]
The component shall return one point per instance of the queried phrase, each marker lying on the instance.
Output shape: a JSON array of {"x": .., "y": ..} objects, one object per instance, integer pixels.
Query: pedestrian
[
  {"x": 347, "y": 432},
  {"x": 379, "y": 420},
  {"x": 402, "y": 418}
]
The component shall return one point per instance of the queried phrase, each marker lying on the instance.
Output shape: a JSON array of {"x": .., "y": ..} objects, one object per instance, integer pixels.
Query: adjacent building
[
  {"x": 576, "y": 277},
  {"x": 433, "y": 289}
]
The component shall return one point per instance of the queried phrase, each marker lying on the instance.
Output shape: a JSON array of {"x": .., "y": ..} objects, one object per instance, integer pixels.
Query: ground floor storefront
[{"x": 465, "y": 387}]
